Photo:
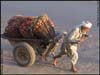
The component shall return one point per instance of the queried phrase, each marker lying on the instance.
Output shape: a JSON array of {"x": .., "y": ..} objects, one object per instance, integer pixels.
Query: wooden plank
[{"x": 22, "y": 39}]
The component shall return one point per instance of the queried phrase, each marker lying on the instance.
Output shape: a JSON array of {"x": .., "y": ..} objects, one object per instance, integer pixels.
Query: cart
[{"x": 25, "y": 50}]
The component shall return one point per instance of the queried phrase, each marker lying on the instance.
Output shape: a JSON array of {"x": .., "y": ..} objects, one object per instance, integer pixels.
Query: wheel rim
[{"x": 22, "y": 55}]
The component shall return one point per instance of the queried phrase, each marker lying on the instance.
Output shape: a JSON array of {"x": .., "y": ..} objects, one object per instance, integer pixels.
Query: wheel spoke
[{"x": 22, "y": 54}]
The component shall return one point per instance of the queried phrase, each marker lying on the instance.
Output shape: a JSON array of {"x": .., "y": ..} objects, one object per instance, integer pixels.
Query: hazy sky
[{"x": 63, "y": 13}]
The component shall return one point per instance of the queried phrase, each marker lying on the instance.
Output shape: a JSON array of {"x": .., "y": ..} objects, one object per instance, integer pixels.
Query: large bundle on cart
[{"x": 40, "y": 27}]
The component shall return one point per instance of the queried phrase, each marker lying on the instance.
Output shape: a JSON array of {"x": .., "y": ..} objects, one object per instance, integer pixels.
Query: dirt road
[{"x": 88, "y": 63}]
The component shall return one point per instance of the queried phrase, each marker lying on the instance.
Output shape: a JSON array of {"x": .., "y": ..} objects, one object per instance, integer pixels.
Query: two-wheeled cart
[{"x": 25, "y": 50}]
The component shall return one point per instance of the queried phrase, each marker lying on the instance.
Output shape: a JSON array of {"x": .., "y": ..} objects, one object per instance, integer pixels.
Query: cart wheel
[{"x": 24, "y": 54}]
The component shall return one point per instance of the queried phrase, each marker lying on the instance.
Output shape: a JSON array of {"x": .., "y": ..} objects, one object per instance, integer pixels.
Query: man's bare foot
[
  {"x": 74, "y": 69},
  {"x": 55, "y": 62}
]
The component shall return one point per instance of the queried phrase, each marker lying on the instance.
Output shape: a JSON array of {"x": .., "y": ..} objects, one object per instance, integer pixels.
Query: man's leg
[
  {"x": 74, "y": 59},
  {"x": 62, "y": 52},
  {"x": 56, "y": 57}
]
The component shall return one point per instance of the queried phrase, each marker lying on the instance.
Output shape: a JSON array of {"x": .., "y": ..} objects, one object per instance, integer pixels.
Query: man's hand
[
  {"x": 84, "y": 36},
  {"x": 82, "y": 39}
]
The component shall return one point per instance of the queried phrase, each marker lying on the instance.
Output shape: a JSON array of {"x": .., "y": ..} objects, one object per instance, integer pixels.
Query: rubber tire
[{"x": 31, "y": 52}]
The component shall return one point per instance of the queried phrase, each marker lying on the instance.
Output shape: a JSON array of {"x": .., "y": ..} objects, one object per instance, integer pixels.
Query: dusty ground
[
  {"x": 10, "y": 67},
  {"x": 88, "y": 63}
]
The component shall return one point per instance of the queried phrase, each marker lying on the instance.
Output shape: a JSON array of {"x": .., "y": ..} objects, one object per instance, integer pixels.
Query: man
[{"x": 71, "y": 42}]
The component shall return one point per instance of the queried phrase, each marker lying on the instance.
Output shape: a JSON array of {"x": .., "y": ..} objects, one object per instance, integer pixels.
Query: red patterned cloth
[
  {"x": 24, "y": 27},
  {"x": 12, "y": 30}
]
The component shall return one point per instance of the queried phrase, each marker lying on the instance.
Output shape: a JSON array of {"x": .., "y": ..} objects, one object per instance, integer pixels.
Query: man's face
[{"x": 85, "y": 29}]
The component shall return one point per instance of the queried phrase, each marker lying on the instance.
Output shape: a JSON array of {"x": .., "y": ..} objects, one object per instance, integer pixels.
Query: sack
[
  {"x": 42, "y": 28},
  {"x": 24, "y": 27},
  {"x": 12, "y": 30}
]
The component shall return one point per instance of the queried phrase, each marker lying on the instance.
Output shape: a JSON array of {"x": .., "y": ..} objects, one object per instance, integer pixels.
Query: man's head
[{"x": 85, "y": 26}]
